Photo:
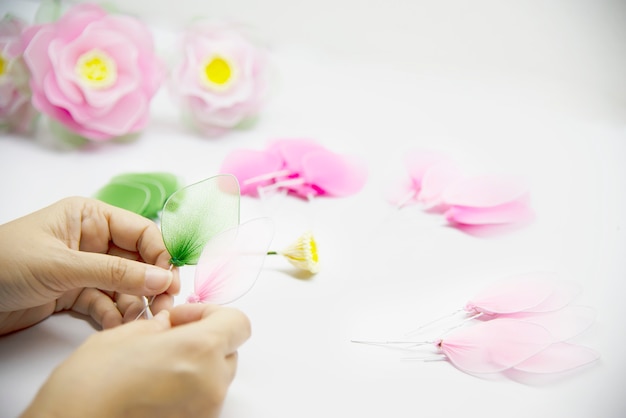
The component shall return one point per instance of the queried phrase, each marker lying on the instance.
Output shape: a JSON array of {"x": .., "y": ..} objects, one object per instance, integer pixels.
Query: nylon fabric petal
[
  {"x": 231, "y": 262},
  {"x": 196, "y": 213}
]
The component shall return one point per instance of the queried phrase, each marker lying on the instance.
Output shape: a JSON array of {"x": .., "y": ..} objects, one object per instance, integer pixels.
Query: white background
[{"x": 531, "y": 88}]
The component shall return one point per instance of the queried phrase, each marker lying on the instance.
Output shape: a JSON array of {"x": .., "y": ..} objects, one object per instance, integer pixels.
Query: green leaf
[{"x": 196, "y": 213}]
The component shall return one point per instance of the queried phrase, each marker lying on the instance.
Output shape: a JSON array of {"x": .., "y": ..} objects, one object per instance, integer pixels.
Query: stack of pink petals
[
  {"x": 438, "y": 184},
  {"x": 528, "y": 324},
  {"x": 299, "y": 167},
  {"x": 524, "y": 324}
]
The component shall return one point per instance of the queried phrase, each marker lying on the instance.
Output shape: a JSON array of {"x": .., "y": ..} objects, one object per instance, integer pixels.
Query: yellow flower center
[
  {"x": 313, "y": 250},
  {"x": 217, "y": 73},
  {"x": 3, "y": 65},
  {"x": 96, "y": 69}
]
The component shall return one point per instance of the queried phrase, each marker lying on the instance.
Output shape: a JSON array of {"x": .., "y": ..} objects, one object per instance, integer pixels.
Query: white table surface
[{"x": 383, "y": 271}]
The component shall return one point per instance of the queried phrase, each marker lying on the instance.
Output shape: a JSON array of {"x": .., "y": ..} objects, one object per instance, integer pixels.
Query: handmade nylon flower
[
  {"x": 93, "y": 72},
  {"x": 221, "y": 79},
  {"x": 16, "y": 111}
]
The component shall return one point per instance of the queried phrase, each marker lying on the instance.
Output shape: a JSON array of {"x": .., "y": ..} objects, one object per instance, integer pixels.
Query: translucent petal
[
  {"x": 196, "y": 213},
  {"x": 335, "y": 174},
  {"x": 293, "y": 151},
  {"x": 494, "y": 346},
  {"x": 484, "y": 191},
  {"x": 563, "y": 324},
  {"x": 557, "y": 358},
  {"x": 231, "y": 261},
  {"x": 436, "y": 180},
  {"x": 510, "y": 212},
  {"x": 419, "y": 161},
  {"x": 514, "y": 294}
]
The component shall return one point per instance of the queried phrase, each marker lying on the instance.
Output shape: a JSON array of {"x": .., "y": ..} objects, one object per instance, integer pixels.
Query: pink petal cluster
[
  {"x": 221, "y": 80},
  {"x": 529, "y": 323},
  {"x": 300, "y": 167},
  {"x": 16, "y": 111},
  {"x": 437, "y": 182},
  {"x": 93, "y": 72}
]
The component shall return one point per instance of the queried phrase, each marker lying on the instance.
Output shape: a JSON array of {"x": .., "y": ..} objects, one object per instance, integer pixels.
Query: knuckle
[{"x": 118, "y": 271}]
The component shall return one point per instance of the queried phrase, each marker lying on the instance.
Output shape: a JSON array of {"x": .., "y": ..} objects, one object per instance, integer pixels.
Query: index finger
[
  {"x": 207, "y": 319},
  {"x": 133, "y": 232}
]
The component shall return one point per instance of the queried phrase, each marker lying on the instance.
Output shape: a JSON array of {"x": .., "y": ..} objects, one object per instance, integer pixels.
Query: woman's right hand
[{"x": 180, "y": 363}]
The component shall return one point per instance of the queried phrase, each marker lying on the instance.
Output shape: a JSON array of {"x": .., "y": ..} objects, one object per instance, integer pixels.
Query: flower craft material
[
  {"x": 195, "y": 214},
  {"x": 221, "y": 79},
  {"x": 192, "y": 217},
  {"x": 141, "y": 193},
  {"x": 16, "y": 111},
  {"x": 200, "y": 226},
  {"x": 92, "y": 72},
  {"x": 523, "y": 324},
  {"x": 302, "y": 253},
  {"x": 436, "y": 182},
  {"x": 299, "y": 167},
  {"x": 231, "y": 262}
]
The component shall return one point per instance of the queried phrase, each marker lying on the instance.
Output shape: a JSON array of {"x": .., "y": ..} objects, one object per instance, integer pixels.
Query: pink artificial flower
[
  {"x": 16, "y": 111},
  {"x": 93, "y": 72},
  {"x": 222, "y": 78}
]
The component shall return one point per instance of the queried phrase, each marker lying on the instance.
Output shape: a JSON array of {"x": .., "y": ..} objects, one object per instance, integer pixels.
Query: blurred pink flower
[
  {"x": 93, "y": 72},
  {"x": 16, "y": 111},
  {"x": 221, "y": 79}
]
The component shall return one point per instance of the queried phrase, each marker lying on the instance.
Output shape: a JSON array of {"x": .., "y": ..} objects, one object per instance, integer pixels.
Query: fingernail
[{"x": 157, "y": 278}]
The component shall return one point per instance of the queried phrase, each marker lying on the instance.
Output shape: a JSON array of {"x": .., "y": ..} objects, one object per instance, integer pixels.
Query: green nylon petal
[
  {"x": 161, "y": 185},
  {"x": 130, "y": 196},
  {"x": 196, "y": 213}
]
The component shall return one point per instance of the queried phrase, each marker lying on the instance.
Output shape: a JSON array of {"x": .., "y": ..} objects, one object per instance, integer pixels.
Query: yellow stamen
[
  {"x": 217, "y": 73},
  {"x": 3, "y": 65},
  {"x": 302, "y": 253},
  {"x": 96, "y": 69}
]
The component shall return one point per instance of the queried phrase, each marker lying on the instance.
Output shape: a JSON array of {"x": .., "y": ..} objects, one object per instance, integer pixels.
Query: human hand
[
  {"x": 180, "y": 363},
  {"x": 86, "y": 256}
]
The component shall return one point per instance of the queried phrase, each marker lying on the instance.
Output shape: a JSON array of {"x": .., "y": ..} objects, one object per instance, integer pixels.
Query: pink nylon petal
[
  {"x": 494, "y": 346},
  {"x": 231, "y": 261},
  {"x": 564, "y": 292},
  {"x": 484, "y": 191},
  {"x": 305, "y": 191},
  {"x": 248, "y": 164},
  {"x": 293, "y": 151},
  {"x": 401, "y": 193},
  {"x": 514, "y": 294},
  {"x": 510, "y": 212},
  {"x": 336, "y": 175},
  {"x": 419, "y": 161},
  {"x": 557, "y": 358},
  {"x": 436, "y": 180},
  {"x": 563, "y": 324}
]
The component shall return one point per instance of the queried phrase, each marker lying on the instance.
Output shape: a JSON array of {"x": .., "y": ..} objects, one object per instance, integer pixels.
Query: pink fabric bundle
[
  {"x": 437, "y": 183},
  {"x": 301, "y": 167}
]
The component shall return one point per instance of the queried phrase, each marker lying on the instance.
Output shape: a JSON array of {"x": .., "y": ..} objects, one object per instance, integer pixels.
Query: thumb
[{"x": 116, "y": 274}]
